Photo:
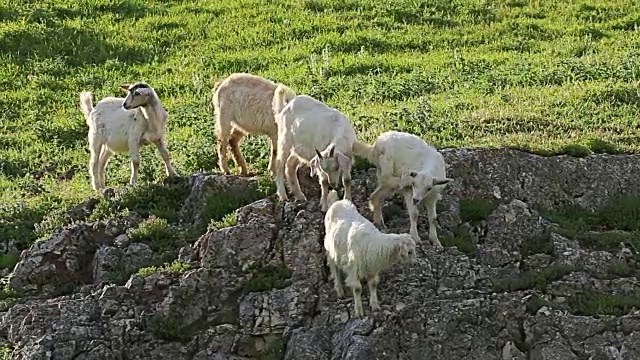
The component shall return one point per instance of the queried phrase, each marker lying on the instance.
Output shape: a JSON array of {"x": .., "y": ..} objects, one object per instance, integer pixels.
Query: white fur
[
  {"x": 242, "y": 105},
  {"x": 356, "y": 247},
  {"x": 116, "y": 129},
  {"x": 314, "y": 134},
  {"x": 407, "y": 164}
]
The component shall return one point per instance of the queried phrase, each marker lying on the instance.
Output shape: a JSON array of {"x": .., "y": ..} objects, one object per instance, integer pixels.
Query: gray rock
[
  {"x": 508, "y": 228},
  {"x": 137, "y": 256},
  {"x": 261, "y": 290},
  {"x": 107, "y": 261}
]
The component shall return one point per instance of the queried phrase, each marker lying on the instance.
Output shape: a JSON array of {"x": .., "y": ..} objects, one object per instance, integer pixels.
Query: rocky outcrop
[{"x": 511, "y": 282}]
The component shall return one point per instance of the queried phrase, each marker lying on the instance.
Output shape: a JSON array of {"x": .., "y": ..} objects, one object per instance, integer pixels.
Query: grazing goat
[
  {"x": 118, "y": 125},
  {"x": 304, "y": 126},
  {"x": 406, "y": 163},
  {"x": 242, "y": 105},
  {"x": 356, "y": 247}
]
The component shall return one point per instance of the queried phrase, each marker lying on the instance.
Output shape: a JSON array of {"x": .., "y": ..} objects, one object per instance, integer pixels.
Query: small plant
[
  {"x": 175, "y": 268},
  {"x": 157, "y": 233},
  {"x": 275, "y": 348},
  {"x": 8, "y": 297},
  {"x": 228, "y": 220},
  {"x": 620, "y": 268},
  {"x": 6, "y": 353},
  {"x": 537, "y": 245},
  {"x": 591, "y": 304},
  {"x": 118, "y": 277},
  {"x": 576, "y": 150},
  {"x": 269, "y": 277},
  {"x": 166, "y": 328},
  {"x": 221, "y": 205},
  {"x": 476, "y": 209},
  {"x": 534, "y": 279},
  {"x": 8, "y": 261},
  {"x": 462, "y": 240}
]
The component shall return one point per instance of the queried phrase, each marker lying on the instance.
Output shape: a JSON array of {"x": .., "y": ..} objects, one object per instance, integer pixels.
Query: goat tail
[
  {"x": 281, "y": 96},
  {"x": 86, "y": 105},
  {"x": 332, "y": 197},
  {"x": 363, "y": 150}
]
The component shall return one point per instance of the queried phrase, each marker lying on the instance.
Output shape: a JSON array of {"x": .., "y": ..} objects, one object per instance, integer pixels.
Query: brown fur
[{"x": 242, "y": 105}]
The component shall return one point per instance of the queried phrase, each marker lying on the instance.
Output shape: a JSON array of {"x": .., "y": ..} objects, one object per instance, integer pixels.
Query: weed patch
[
  {"x": 8, "y": 297},
  {"x": 159, "y": 234},
  {"x": 274, "y": 349},
  {"x": 6, "y": 353},
  {"x": 166, "y": 328},
  {"x": 605, "y": 228},
  {"x": 269, "y": 277},
  {"x": 219, "y": 205},
  {"x": 533, "y": 279},
  {"x": 537, "y": 245},
  {"x": 177, "y": 267},
  {"x": 460, "y": 239},
  {"x": 476, "y": 209},
  {"x": 228, "y": 220},
  {"x": 592, "y": 304}
]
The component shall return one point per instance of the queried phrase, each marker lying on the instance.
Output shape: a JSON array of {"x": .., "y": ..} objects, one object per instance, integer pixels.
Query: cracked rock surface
[{"x": 510, "y": 283}]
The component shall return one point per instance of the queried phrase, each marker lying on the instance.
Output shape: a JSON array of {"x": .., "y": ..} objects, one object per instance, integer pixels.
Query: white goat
[
  {"x": 304, "y": 126},
  {"x": 242, "y": 105},
  {"x": 354, "y": 245},
  {"x": 118, "y": 125},
  {"x": 406, "y": 163}
]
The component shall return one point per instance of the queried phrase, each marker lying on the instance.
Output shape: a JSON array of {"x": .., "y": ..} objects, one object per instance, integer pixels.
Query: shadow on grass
[
  {"x": 122, "y": 9},
  {"x": 75, "y": 46},
  {"x": 13, "y": 168}
]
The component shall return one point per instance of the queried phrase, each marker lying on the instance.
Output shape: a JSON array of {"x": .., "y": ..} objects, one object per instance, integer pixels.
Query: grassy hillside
[{"x": 549, "y": 76}]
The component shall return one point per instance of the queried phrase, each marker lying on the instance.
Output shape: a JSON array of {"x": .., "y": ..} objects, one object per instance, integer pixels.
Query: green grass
[
  {"x": 269, "y": 277},
  {"x": 603, "y": 304},
  {"x": 533, "y": 279},
  {"x": 545, "y": 76},
  {"x": 5, "y": 353},
  {"x": 174, "y": 268}
]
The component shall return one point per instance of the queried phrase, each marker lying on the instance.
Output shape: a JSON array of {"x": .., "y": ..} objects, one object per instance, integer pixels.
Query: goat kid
[
  {"x": 354, "y": 245},
  {"x": 118, "y": 125},
  {"x": 306, "y": 125},
  {"x": 405, "y": 163}
]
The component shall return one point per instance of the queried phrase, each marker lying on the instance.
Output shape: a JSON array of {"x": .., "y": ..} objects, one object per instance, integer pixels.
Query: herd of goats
[{"x": 303, "y": 130}]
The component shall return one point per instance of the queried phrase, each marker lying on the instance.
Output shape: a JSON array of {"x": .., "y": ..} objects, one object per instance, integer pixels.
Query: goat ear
[
  {"x": 344, "y": 162},
  {"x": 318, "y": 153},
  {"x": 441, "y": 181},
  {"x": 124, "y": 87},
  {"x": 313, "y": 166},
  {"x": 332, "y": 150}
]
